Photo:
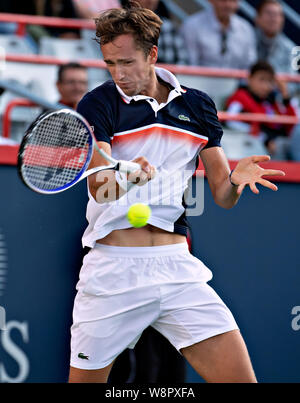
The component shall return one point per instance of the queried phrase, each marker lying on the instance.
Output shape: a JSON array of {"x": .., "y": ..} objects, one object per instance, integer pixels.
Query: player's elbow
[
  {"x": 99, "y": 191},
  {"x": 102, "y": 187},
  {"x": 227, "y": 203}
]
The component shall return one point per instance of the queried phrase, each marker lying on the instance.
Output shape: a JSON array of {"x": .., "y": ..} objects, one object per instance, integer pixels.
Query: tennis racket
[{"x": 56, "y": 151}]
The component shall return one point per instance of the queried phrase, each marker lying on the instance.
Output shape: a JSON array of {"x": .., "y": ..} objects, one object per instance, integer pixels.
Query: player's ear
[{"x": 153, "y": 55}]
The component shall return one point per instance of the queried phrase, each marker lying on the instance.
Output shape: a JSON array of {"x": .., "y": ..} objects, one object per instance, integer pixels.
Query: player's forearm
[
  {"x": 107, "y": 186},
  {"x": 104, "y": 187},
  {"x": 226, "y": 195}
]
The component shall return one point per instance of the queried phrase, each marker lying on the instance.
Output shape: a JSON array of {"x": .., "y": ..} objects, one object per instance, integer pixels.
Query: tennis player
[{"x": 136, "y": 277}]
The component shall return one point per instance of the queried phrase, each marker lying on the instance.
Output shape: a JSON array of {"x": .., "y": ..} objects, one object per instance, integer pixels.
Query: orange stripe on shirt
[{"x": 157, "y": 130}]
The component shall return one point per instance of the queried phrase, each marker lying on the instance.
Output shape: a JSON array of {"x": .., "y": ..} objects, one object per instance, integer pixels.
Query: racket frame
[{"x": 117, "y": 165}]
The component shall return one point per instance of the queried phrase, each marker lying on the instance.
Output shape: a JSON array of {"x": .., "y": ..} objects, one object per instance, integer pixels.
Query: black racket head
[{"x": 55, "y": 152}]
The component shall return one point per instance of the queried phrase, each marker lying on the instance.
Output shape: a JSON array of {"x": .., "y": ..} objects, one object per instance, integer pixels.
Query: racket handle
[{"x": 129, "y": 166}]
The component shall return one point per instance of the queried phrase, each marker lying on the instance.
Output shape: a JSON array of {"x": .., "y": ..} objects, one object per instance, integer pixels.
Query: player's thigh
[
  {"x": 89, "y": 376},
  {"x": 221, "y": 358}
]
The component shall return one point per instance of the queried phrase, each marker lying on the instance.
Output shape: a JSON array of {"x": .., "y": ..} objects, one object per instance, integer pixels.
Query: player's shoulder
[
  {"x": 197, "y": 97},
  {"x": 102, "y": 95}
]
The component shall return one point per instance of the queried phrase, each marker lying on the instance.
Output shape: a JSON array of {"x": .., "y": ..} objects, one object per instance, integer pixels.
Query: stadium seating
[
  {"x": 15, "y": 44},
  {"x": 238, "y": 145},
  {"x": 73, "y": 50},
  {"x": 41, "y": 79},
  {"x": 21, "y": 117},
  {"x": 219, "y": 89},
  {"x": 67, "y": 48}
]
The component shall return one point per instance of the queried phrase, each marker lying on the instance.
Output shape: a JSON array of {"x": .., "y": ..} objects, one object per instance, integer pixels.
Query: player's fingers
[
  {"x": 143, "y": 176},
  {"x": 144, "y": 163},
  {"x": 240, "y": 188},
  {"x": 260, "y": 158},
  {"x": 253, "y": 187},
  {"x": 268, "y": 184},
  {"x": 273, "y": 172},
  {"x": 146, "y": 167}
]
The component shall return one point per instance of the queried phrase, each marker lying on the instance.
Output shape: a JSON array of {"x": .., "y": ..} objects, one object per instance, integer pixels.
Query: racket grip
[{"x": 129, "y": 166}]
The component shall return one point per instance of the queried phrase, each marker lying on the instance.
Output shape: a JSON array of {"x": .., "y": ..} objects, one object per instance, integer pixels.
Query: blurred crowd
[{"x": 215, "y": 36}]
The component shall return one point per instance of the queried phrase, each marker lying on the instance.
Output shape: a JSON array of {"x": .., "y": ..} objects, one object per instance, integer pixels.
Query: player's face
[{"x": 130, "y": 69}]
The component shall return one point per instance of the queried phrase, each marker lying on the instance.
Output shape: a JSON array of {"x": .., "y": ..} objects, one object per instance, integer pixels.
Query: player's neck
[{"x": 157, "y": 89}]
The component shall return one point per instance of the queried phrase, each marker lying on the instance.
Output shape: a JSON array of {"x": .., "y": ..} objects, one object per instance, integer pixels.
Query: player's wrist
[
  {"x": 230, "y": 179},
  {"x": 123, "y": 182}
]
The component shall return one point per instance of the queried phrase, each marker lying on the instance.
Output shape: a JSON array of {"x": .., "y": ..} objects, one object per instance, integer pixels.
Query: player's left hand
[{"x": 248, "y": 172}]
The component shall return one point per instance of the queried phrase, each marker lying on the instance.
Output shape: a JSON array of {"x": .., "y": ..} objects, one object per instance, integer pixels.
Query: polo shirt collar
[{"x": 165, "y": 75}]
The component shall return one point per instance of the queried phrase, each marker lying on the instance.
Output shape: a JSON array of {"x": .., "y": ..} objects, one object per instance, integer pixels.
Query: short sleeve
[
  {"x": 212, "y": 124},
  {"x": 98, "y": 116},
  {"x": 205, "y": 111}
]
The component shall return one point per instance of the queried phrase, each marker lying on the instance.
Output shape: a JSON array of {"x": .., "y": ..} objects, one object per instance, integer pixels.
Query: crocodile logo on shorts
[{"x": 83, "y": 357}]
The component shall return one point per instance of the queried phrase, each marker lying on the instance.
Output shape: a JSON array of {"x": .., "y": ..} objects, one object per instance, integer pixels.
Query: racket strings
[{"x": 56, "y": 152}]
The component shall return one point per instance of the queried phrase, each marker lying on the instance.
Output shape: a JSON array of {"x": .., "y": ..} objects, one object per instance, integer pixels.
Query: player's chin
[
  {"x": 129, "y": 90},
  {"x": 130, "y": 93}
]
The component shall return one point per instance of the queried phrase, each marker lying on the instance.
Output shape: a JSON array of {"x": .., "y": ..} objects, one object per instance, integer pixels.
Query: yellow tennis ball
[{"x": 138, "y": 214}]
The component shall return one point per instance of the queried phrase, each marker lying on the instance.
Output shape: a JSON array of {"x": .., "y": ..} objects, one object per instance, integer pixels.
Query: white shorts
[{"x": 123, "y": 290}]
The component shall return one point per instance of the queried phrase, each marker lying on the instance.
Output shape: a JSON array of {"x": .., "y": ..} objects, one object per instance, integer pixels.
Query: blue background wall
[{"x": 251, "y": 249}]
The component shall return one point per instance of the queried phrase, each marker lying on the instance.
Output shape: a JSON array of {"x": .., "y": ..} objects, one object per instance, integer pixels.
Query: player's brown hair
[{"x": 142, "y": 23}]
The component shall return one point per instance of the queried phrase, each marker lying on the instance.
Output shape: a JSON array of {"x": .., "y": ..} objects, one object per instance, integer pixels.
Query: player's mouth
[{"x": 124, "y": 85}]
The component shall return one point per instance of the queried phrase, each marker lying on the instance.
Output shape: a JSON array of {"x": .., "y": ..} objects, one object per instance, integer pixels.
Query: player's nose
[{"x": 119, "y": 73}]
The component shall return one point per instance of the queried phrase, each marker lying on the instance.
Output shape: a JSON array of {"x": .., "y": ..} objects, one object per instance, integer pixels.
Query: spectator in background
[
  {"x": 15, "y": 7},
  {"x": 92, "y": 8},
  {"x": 61, "y": 9},
  {"x": 48, "y": 8},
  {"x": 258, "y": 97},
  {"x": 171, "y": 45},
  {"x": 72, "y": 84},
  {"x": 7, "y": 27},
  {"x": 217, "y": 37},
  {"x": 272, "y": 46}
]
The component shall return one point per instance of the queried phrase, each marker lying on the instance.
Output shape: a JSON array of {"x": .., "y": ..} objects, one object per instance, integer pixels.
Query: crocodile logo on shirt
[{"x": 183, "y": 117}]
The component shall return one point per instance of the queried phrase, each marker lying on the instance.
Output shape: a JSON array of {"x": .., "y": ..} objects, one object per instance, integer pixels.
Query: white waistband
[{"x": 142, "y": 251}]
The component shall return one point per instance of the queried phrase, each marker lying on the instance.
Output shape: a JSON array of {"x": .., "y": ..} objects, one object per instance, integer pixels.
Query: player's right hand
[{"x": 145, "y": 174}]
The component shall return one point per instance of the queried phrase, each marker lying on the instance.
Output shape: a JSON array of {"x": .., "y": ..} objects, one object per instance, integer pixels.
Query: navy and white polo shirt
[{"x": 169, "y": 135}]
